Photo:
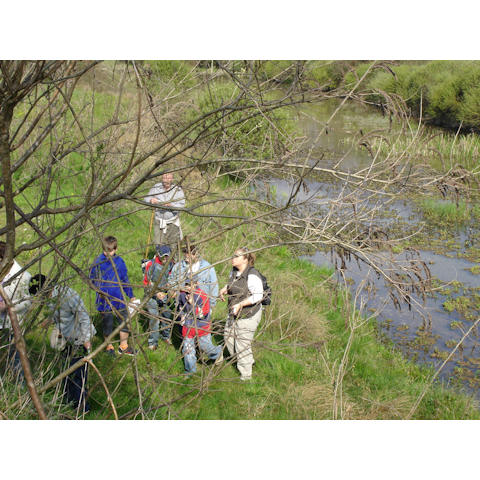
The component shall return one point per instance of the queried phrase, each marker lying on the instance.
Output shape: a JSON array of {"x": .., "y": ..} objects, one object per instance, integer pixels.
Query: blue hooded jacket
[{"x": 109, "y": 274}]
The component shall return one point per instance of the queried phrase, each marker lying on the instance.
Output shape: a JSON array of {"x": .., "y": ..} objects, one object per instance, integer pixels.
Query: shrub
[
  {"x": 447, "y": 91},
  {"x": 280, "y": 71},
  {"x": 325, "y": 74},
  {"x": 352, "y": 77},
  {"x": 316, "y": 73},
  {"x": 169, "y": 72},
  {"x": 241, "y": 132}
]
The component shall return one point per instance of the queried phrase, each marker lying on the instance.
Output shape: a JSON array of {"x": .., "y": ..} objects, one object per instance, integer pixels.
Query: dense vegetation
[
  {"x": 316, "y": 356},
  {"x": 444, "y": 92}
]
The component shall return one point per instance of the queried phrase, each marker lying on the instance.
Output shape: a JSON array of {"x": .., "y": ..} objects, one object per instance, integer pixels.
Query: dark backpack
[{"x": 267, "y": 290}]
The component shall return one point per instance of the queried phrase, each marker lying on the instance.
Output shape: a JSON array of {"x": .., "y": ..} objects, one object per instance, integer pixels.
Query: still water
[{"x": 426, "y": 334}]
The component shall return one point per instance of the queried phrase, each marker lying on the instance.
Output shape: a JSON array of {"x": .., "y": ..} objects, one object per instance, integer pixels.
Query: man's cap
[{"x": 163, "y": 250}]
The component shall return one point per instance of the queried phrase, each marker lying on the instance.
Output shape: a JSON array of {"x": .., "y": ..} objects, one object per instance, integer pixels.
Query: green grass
[
  {"x": 443, "y": 151},
  {"x": 384, "y": 382},
  {"x": 447, "y": 213},
  {"x": 446, "y": 91},
  {"x": 171, "y": 74},
  {"x": 299, "y": 346},
  {"x": 290, "y": 378}
]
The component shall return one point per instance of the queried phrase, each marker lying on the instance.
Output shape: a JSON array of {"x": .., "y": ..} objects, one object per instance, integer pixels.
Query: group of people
[
  {"x": 177, "y": 294},
  {"x": 182, "y": 293}
]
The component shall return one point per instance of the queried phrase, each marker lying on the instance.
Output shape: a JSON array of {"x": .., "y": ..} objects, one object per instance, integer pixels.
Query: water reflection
[
  {"x": 422, "y": 335},
  {"x": 428, "y": 334}
]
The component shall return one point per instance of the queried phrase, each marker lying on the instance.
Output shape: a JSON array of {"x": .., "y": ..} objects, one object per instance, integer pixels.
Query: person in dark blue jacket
[{"x": 109, "y": 274}]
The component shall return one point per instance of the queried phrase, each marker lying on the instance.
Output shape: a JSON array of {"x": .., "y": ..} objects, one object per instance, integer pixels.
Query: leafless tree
[{"x": 74, "y": 162}]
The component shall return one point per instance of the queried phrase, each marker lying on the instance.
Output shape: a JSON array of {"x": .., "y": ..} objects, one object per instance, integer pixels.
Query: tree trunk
[
  {"x": 5, "y": 119},
  {"x": 22, "y": 351}
]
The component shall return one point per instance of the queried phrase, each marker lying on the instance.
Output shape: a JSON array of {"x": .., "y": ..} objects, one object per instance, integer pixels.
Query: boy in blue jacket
[{"x": 109, "y": 274}]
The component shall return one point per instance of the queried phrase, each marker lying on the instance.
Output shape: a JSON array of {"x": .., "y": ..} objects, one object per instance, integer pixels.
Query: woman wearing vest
[{"x": 245, "y": 293}]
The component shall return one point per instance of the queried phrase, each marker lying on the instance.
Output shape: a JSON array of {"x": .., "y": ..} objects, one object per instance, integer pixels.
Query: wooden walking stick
[{"x": 149, "y": 233}]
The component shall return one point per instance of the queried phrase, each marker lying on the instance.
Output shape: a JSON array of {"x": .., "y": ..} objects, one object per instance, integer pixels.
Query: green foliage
[
  {"x": 319, "y": 74},
  {"x": 469, "y": 109},
  {"x": 280, "y": 71},
  {"x": 446, "y": 92},
  {"x": 171, "y": 73},
  {"x": 354, "y": 75},
  {"x": 475, "y": 270},
  {"x": 462, "y": 304},
  {"x": 410, "y": 87},
  {"x": 446, "y": 213},
  {"x": 243, "y": 131},
  {"x": 449, "y": 306},
  {"x": 325, "y": 74},
  {"x": 333, "y": 73}
]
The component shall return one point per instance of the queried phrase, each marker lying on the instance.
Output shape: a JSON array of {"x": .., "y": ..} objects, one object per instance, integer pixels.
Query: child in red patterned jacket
[{"x": 193, "y": 307}]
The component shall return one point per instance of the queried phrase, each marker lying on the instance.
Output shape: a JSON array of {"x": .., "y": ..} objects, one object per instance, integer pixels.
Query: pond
[{"x": 427, "y": 334}]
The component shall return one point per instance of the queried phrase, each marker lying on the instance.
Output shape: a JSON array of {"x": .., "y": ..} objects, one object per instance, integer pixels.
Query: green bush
[
  {"x": 241, "y": 131},
  {"x": 411, "y": 88},
  {"x": 447, "y": 92},
  {"x": 316, "y": 73},
  {"x": 170, "y": 72},
  {"x": 325, "y": 74},
  {"x": 280, "y": 71},
  {"x": 352, "y": 77},
  {"x": 469, "y": 109}
]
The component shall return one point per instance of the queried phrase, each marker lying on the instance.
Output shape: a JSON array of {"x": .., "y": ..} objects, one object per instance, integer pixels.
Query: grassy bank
[{"x": 316, "y": 358}]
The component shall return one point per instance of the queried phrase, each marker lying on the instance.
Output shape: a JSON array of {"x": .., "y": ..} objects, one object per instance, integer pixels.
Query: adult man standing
[{"x": 166, "y": 197}]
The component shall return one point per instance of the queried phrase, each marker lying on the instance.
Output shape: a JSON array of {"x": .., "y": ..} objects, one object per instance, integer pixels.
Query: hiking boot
[
  {"x": 152, "y": 347},
  {"x": 219, "y": 359},
  {"x": 128, "y": 351}
]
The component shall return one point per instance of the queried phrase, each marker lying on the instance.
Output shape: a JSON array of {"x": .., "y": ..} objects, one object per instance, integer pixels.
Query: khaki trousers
[
  {"x": 170, "y": 237},
  {"x": 238, "y": 336}
]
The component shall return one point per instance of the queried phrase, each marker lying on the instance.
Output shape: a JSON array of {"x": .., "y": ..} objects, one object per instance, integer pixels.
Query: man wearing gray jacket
[
  {"x": 166, "y": 228},
  {"x": 73, "y": 330}
]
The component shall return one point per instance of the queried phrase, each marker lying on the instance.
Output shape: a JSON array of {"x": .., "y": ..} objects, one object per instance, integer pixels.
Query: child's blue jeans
[{"x": 205, "y": 344}]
